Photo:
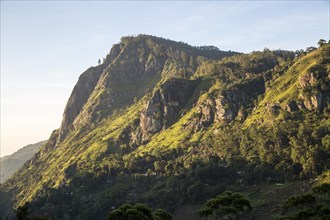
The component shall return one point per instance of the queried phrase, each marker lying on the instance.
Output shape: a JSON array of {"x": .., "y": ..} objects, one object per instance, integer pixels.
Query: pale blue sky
[{"x": 45, "y": 46}]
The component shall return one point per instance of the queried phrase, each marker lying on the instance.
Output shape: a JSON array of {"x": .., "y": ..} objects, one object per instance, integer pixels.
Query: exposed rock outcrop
[
  {"x": 307, "y": 79},
  {"x": 226, "y": 106},
  {"x": 163, "y": 108},
  {"x": 314, "y": 101},
  {"x": 315, "y": 86}
]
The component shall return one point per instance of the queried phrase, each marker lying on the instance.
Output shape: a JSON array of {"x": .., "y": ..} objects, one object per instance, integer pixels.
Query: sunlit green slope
[{"x": 168, "y": 124}]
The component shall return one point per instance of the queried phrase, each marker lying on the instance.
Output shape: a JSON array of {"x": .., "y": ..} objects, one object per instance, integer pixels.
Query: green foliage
[
  {"x": 228, "y": 205},
  {"x": 286, "y": 86},
  {"x": 161, "y": 214},
  {"x": 299, "y": 200},
  {"x": 323, "y": 189},
  {"x": 309, "y": 206},
  {"x": 22, "y": 213},
  {"x": 138, "y": 212}
]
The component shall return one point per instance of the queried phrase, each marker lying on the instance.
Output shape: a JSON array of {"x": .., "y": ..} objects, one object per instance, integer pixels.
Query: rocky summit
[{"x": 170, "y": 125}]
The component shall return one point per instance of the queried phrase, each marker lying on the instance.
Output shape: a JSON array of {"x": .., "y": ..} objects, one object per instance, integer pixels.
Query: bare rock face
[
  {"x": 315, "y": 86},
  {"x": 204, "y": 116},
  {"x": 307, "y": 79},
  {"x": 136, "y": 137},
  {"x": 81, "y": 92},
  {"x": 225, "y": 107},
  {"x": 207, "y": 110},
  {"x": 152, "y": 118},
  {"x": 314, "y": 101},
  {"x": 78, "y": 98},
  {"x": 163, "y": 108}
]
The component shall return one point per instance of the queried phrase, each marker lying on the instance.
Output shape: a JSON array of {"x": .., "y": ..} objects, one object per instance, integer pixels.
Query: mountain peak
[
  {"x": 137, "y": 64},
  {"x": 167, "y": 124}
]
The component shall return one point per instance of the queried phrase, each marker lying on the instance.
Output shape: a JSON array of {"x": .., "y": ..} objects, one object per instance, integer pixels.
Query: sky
[{"x": 46, "y": 45}]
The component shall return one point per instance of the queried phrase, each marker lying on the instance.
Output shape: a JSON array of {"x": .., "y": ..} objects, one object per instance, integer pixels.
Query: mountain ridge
[
  {"x": 153, "y": 61},
  {"x": 168, "y": 126}
]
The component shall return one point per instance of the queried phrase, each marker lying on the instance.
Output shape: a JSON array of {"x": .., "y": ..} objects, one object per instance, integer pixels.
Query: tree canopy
[
  {"x": 138, "y": 212},
  {"x": 228, "y": 205}
]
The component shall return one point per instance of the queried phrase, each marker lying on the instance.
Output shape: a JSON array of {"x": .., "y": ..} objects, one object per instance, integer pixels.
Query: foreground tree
[
  {"x": 228, "y": 205},
  {"x": 138, "y": 212}
]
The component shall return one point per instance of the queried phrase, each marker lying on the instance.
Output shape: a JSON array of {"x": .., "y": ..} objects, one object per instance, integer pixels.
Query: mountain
[
  {"x": 11, "y": 163},
  {"x": 169, "y": 125}
]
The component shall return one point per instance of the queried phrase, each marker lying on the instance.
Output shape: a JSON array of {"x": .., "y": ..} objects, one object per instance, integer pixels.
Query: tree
[
  {"x": 40, "y": 218},
  {"x": 99, "y": 61},
  {"x": 313, "y": 205},
  {"x": 138, "y": 212},
  {"x": 161, "y": 214},
  {"x": 228, "y": 205},
  {"x": 321, "y": 42}
]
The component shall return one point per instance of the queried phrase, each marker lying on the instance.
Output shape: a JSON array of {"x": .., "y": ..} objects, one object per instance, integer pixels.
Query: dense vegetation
[
  {"x": 167, "y": 125},
  {"x": 228, "y": 205},
  {"x": 314, "y": 205},
  {"x": 138, "y": 212}
]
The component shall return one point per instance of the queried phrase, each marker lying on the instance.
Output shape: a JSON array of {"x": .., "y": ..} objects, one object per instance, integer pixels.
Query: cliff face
[
  {"x": 163, "y": 108},
  {"x": 82, "y": 91},
  {"x": 315, "y": 89},
  {"x": 78, "y": 99},
  {"x": 225, "y": 106}
]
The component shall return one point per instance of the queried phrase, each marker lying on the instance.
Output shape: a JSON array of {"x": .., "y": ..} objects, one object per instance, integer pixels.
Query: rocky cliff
[
  {"x": 164, "y": 107},
  {"x": 132, "y": 67}
]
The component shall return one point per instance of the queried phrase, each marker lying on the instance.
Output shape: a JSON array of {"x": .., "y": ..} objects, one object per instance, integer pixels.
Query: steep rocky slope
[
  {"x": 132, "y": 67},
  {"x": 167, "y": 124}
]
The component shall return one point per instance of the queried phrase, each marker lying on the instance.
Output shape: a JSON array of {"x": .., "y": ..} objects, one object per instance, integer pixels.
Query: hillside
[
  {"x": 11, "y": 163},
  {"x": 167, "y": 124}
]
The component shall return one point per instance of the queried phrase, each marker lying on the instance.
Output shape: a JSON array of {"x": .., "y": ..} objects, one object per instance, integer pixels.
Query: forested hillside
[{"x": 166, "y": 124}]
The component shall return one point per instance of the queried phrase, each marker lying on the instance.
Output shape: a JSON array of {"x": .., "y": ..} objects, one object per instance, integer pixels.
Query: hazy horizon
[{"x": 45, "y": 46}]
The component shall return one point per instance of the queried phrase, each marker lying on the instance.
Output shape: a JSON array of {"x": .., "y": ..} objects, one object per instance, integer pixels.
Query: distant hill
[{"x": 11, "y": 163}]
